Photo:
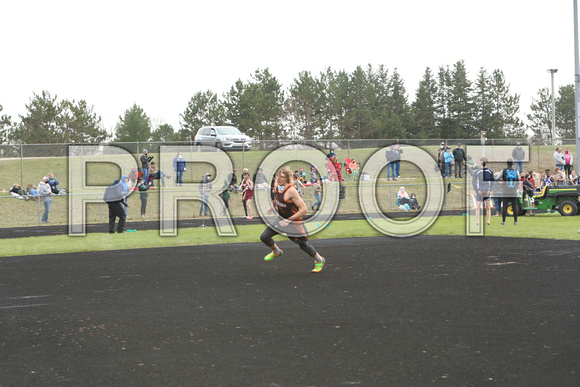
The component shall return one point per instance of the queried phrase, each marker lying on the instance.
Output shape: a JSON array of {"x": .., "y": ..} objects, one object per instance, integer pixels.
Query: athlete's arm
[{"x": 292, "y": 196}]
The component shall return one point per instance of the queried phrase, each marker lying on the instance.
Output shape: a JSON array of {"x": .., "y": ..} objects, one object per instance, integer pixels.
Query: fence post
[
  {"x": 21, "y": 164},
  {"x": 39, "y": 199}
]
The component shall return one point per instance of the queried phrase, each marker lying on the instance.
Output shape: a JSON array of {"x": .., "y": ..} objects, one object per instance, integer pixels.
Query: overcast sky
[{"x": 158, "y": 54}]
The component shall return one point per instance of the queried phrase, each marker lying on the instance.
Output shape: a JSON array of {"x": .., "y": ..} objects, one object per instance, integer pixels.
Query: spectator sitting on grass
[
  {"x": 403, "y": 198},
  {"x": 53, "y": 183},
  {"x": 574, "y": 178},
  {"x": 31, "y": 190},
  {"x": 18, "y": 192}
]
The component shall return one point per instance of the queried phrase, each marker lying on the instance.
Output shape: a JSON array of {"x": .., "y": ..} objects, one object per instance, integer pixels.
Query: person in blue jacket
[
  {"x": 448, "y": 155},
  {"x": 179, "y": 167}
]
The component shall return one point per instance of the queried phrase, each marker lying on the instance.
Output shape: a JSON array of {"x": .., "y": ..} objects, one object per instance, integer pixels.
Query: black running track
[{"x": 384, "y": 311}]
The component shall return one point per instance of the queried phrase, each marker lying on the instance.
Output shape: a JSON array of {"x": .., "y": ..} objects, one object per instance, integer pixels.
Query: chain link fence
[{"x": 28, "y": 163}]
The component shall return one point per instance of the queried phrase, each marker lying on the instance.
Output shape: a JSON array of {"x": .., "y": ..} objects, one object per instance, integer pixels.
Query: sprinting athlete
[{"x": 291, "y": 207}]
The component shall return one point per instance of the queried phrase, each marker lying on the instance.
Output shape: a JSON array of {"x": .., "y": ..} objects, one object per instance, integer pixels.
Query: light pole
[
  {"x": 553, "y": 71},
  {"x": 576, "y": 82}
]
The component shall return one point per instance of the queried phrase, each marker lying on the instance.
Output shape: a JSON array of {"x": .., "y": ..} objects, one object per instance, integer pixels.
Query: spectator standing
[
  {"x": 179, "y": 166},
  {"x": 317, "y": 189},
  {"x": 143, "y": 195},
  {"x": 114, "y": 198},
  {"x": 441, "y": 158},
  {"x": 233, "y": 180},
  {"x": 398, "y": 154},
  {"x": 510, "y": 181},
  {"x": 337, "y": 168},
  {"x": 448, "y": 156},
  {"x": 459, "y": 157},
  {"x": 260, "y": 181},
  {"x": 392, "y": 156},
  {"x": 313, "y": 173},
  {"x": 559, "y": 159},
  {"x": 225, "y": 195},
  {"x": 145, "y": 164},
  {"x": 204, "y": 190},
  {"x": 46, "y": 195},
  {"x": 298, "y": 184},
  {"x": 247, "y": 195},
  {"x": 518, "y": 154},
  {"x": 568, "y": 162},
  {"x": 53, "y": 183},
  {"x": 125, "y": 187},
  {"x": 482, "y": 184}
]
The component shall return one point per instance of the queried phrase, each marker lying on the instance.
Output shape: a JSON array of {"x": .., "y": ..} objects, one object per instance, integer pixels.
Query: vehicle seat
[{"x": 543, "y": 194}]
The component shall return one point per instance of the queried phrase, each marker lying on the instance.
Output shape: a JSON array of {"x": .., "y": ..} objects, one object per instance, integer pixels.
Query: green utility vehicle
[{"x": 564, "y": 199}]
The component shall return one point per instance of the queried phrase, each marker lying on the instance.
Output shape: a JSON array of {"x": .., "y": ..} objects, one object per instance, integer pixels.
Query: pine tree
[
  {"x": 133, "y": 126},
  {"x": 482, "y": 104},
  {"x": 5, "y": 127},
  {"x": 81, "y": 124},
  {"x": 504, "y": 109},
  {"x": 357, "y": 117},
  {"x": 203, "y": 109},
  {"x": 565, "y": 112},
  {"x": 42, "y": 124},
  {"x": 443, "y": 101},
  {"x": 540, "y": 120},
  {"x": 460, "y": 104},
  {"x": 424, "y": 109},
  {"x": 163, "y": 133},
  {"x": 304, "y": 107},
  {"x": 257, "y": 107}
]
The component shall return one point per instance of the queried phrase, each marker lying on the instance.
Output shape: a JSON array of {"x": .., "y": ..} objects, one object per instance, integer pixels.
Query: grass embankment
[
  {"x": 538, "y": 226},
  {"x": 31, "y": 170}
]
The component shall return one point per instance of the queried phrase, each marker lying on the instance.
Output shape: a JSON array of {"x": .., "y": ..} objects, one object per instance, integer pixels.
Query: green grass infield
[{"x": 548, "y": 226}]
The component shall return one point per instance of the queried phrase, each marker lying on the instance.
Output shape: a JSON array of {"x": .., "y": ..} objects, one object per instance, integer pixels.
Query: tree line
[{"x": 367, "y": 103}]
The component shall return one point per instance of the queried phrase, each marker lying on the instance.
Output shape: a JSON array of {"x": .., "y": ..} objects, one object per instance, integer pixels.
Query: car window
[{"x": 229, "y": 130}]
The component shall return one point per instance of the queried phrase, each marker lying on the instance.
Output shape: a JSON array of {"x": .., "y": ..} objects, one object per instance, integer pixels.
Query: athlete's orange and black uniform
[{"x": 295, "y": 230}]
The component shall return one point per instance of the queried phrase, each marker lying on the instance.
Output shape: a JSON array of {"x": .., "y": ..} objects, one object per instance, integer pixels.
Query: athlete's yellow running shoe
[
  {"x": 271, "y": 256},
  {"x": 318, "y": 265}
]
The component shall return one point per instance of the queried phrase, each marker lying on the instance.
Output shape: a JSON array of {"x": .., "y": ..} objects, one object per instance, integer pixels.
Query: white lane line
[{"x": 22, "y": 306}]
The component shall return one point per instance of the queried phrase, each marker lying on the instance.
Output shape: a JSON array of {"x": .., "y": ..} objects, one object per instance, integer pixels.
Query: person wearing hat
[
  {"x": 204, "y": 191},
  {"x": 179, "y": 166},
  {"x": 330, "y": 154},
  {"x": 145, "y": 159},
  {"x": 441, "y": 158},
  {"x": 46, "y": 196},
  {"x": 459, "y": 157},
  {"x": 518, "y": 154},
  {"x": 448, "y": 156},
  {"x": 114, "y": 196}
]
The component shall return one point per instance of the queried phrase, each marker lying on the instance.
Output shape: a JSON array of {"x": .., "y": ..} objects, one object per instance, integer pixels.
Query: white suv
[{"x": 223, "y": 137}]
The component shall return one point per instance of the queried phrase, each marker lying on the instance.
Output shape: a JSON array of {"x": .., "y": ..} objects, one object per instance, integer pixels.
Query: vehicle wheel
[
  {"x": 510, "y": 210},
  {"x": 522, "y": 212},
  {"x": 219, "y": 145},
  {"x": 568, "y": 208}
]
